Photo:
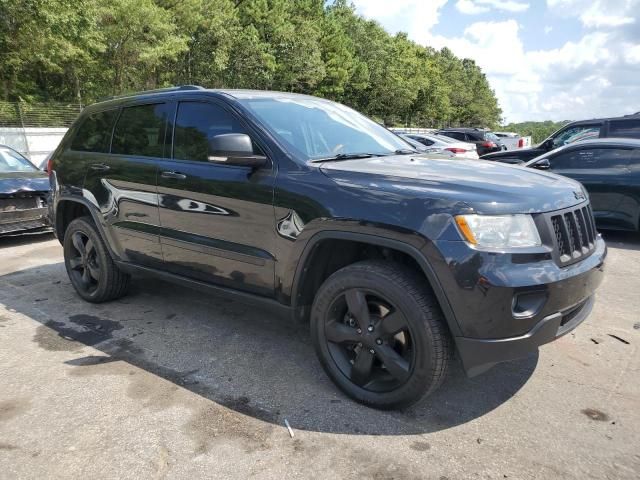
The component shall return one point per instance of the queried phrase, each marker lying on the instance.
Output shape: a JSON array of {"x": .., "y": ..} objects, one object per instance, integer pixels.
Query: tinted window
[
  {"x": 422, "y": 140},
  {"x": 196, "y": 124},
  {"x": 456, "y": 135},
  {"x": 593, "y": 158},
  {"x": 624, "y": 128},
  {"x": 140, "y": 131},
  {"x": 94, "y": 134}
]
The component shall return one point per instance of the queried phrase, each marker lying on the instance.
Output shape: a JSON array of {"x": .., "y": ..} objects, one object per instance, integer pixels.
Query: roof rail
[{"x": 177, "y": 88}]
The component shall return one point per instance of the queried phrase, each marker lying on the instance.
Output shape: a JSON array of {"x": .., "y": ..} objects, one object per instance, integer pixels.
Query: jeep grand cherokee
[{"x": 397, "y": 259}]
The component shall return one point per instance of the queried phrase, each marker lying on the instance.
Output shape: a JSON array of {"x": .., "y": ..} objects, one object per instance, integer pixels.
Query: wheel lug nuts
[
  {"x": 372, "y": 351},
  {"x": 359, "y": 344},
  {"x": 370, "y": 328},
  {"x": 359, "y": 331},
  {"x": 379, "y": 341}
]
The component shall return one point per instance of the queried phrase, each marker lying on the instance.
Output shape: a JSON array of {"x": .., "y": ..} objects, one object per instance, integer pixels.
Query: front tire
[
  {"x": 379, "y": 334},
  {"x": 89, "y": 265}
]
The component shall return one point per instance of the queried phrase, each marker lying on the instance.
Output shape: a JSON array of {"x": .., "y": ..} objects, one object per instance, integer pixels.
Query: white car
[
  {"x": 512, "y": 140},
  {"x": 446, "y": 144}
]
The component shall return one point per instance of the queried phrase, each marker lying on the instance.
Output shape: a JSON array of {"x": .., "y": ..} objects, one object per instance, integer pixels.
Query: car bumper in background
[{"x": 20, "y": 220}]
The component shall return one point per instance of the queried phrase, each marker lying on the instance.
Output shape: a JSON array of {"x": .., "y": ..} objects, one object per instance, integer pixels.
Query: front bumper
[
  {"x": 484, "y": 291},
  {"x": 21, "y": 220},
  {"x": 479, "y": 355}
]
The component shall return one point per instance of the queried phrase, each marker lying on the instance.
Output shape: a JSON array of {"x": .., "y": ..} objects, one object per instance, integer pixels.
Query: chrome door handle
[
  {"x": 100, "y": 166},
  {"x": 174, "y": 175}
]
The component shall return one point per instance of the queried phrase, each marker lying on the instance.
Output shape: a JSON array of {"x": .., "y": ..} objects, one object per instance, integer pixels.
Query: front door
[{"x": 217, "y": 221}]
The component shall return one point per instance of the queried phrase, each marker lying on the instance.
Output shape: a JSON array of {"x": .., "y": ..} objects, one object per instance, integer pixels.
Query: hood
[
  {"x": 485, "y": 187},
  {"x": 13, "y": 182}
]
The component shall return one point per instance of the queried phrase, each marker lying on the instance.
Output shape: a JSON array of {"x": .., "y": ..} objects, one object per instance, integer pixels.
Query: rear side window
[
  {"x": 422, "y": 140},
  {"x": 624, "y": 128},
  {"x": 140, "y": 131},
  {"x": 456, "y": 135},
  {"x": 196, "y": 124},
  {"x": 94, "y": 133}
]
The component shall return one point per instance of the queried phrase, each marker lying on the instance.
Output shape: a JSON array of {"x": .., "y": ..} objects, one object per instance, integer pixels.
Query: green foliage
[
  {"x": 537, "y": 130},
  {"x": 82, "y": 50}
]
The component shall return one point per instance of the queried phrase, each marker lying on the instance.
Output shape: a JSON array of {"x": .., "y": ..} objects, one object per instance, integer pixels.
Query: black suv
[
  {"x": 302, "y": 204},
  {"x": 619, "y": 127},
  {"x": 485, "y": 141}
]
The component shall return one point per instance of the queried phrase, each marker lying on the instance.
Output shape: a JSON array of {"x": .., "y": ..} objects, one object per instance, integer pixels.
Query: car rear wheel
[
  {"x": 89, "y": 265},
  {"x": 379, "y": 334}
]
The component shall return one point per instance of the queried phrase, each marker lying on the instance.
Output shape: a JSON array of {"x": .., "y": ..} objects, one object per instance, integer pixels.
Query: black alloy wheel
[
  {"x": 369, "y": 340},
  {"x": 379, "y": 334},
  {"x": 83, "y": 262},
  {"x": 92, "y": 271}
]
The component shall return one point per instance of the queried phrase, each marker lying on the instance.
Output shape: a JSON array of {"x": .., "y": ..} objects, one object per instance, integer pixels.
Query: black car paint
[
  {"x": 615, "y": 191},
  {"x": 523, "y": 155},
  {"x": 253, "y": 233}
]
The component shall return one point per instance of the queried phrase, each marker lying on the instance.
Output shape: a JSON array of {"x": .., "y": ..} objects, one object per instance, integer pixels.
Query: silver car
[{"x": 446, "y": 144}]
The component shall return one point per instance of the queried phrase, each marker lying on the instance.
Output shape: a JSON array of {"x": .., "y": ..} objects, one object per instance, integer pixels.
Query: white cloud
[
  {"x": 595, "y": 75},
  {"x": 548, "y": 29},
  {"x": 597, "y": 13},
  {"x": 473, "y": 7}
]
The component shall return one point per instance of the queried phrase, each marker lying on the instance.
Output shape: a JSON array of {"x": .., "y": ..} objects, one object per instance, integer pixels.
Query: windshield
[
  {"x": 11, "y": 161},
  {"x": 314, "y": 128}
]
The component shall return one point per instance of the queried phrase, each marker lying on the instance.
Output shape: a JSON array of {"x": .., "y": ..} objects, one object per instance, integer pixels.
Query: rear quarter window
[
  {"x": 140, "y": 131},
  {"x": 94, "y": 132},
  {"x": 625, "y": 128}
]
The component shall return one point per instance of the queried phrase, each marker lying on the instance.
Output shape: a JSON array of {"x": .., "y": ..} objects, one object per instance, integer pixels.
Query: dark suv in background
[
  {"x": 305, "y": 206},
  {"x": 619, "y": 127},
  {"x": 485, "y": 141}
]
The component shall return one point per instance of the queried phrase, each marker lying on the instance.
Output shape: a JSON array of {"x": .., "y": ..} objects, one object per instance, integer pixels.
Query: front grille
[{"x": 574, "y": 234}]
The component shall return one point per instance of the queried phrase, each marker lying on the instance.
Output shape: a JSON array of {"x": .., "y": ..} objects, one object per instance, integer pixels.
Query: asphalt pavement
[{"x": 173, "y": 383}]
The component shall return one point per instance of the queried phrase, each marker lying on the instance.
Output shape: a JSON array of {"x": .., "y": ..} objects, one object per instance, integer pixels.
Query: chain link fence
[{"x": 35, "y": 129}]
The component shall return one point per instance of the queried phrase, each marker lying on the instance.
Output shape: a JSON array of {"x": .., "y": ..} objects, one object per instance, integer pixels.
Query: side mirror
[
  {"x": 542, "y": 164},
  {"x": 234, "y": 149}
]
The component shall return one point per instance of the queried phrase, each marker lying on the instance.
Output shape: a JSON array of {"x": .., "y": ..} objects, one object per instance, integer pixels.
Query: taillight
[
  {"x": 456, "y": 150},
  {"x": 50, "y": 165},
  {"x": 489, "y": 145},
  {"x": 521, "y": 143}
]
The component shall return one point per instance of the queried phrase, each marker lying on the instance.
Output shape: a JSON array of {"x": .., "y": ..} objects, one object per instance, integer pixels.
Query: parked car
[
  {"x": 619, "y": 127},
  {"x": 442, "y": 143},
  {"x": 513, "y": 140},
  {"x": 23, "y": 193},
  {"x": 305, "y": 206},
  {"x": 485, "y": 141},
  {"x": 609, "y": 168}
]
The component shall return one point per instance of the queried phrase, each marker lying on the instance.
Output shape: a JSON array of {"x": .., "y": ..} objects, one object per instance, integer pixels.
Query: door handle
[
  {"x": 100, "y": 166},
  {"x": 174, "y": 175}
]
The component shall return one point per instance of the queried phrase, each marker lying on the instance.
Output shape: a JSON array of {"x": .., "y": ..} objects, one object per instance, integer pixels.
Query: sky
[{"x": 545, "y": 59}]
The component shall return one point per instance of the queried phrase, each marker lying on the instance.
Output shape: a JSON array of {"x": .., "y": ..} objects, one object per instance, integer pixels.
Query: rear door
[
  {"x": 217, "y": 220},
  {"x": 605, "y": 173},
  {"x": 123, "y": 183},
  {"x": 624, "y": 128}
]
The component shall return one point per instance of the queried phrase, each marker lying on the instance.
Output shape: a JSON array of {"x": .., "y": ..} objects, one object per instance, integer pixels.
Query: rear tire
[
  {"x": 379, "y": 334},
  {"x": 92, "y": 271}
]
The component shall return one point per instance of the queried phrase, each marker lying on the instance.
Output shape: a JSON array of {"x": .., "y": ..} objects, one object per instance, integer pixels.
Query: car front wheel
[{"x": 379, "y": 334}]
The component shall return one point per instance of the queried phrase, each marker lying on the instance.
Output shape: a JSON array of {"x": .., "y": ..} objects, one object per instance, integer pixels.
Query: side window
[
  {"x": 624, "y": 128},
  {"x": 575, "y": 134},
  {"x": 140, "y": 131},
  {"x": 471, "y": 138},
  {"x": 94, "y": 134},
  {"x": 196, "y": 124},
  {"x": 456, "y": 135},
  {"x": 422, "y": 140},
  {"x": 593, "y": 159}
]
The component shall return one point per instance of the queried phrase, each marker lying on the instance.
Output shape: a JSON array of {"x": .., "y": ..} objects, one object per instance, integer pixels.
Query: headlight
[{"x": 499, "y": 231}]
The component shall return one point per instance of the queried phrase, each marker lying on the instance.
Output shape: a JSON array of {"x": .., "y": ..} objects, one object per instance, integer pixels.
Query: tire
[
  {"x": 93, "y": 274},
  {"x": 350, "y": 339}
]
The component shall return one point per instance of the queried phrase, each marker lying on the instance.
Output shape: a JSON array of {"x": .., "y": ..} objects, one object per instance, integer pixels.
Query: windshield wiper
[{"x": 345, "y": 156}]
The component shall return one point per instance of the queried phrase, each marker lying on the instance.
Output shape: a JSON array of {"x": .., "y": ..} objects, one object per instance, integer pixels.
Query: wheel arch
[
  {"x": 303, "y": 268},
  {"x": 69, "y": 208}
]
